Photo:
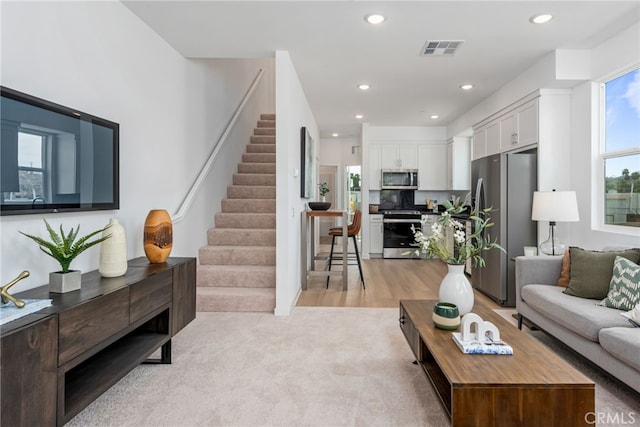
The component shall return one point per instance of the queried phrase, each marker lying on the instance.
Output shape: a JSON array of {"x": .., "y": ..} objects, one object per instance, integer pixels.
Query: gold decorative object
[{"x": 4, "y": 291}]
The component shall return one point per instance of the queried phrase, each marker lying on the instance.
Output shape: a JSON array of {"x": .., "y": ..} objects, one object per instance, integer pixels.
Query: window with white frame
[{"x": 620, "y": 149}]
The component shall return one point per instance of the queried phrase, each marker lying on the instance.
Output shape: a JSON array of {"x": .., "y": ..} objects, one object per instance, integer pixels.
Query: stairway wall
[{"x": 293, "y": 112}]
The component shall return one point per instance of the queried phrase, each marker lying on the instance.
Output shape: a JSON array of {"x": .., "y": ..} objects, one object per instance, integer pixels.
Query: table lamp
[{"x": 554, "y": 206}]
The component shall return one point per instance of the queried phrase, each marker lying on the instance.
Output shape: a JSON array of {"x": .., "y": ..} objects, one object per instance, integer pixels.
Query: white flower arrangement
[{"x": 437, "y": 244}]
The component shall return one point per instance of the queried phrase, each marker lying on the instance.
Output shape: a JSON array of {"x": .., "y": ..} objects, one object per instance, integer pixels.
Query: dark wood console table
[{"x": 57, "y": 361}]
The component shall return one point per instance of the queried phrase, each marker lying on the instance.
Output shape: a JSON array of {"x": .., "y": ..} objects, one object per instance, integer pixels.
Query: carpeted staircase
[{"x": 237, "y": 269}]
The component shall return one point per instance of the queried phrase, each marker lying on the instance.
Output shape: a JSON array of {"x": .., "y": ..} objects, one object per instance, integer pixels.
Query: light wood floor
[{"x": 387, "y": 282}]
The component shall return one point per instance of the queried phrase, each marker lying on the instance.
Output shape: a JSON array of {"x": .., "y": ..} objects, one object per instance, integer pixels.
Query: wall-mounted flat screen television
[{"x": 54, "y": 158}]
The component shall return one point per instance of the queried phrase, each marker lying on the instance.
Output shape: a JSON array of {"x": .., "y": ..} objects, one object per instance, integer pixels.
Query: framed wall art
[{"x": 306, "y": 164}]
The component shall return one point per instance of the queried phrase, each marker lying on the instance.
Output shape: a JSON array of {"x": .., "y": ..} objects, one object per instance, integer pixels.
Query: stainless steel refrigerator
[{"x": 505, "y": 182}]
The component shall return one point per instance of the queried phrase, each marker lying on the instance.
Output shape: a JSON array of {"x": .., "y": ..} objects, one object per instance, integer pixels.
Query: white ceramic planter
[{"x": 456, "y": 289}]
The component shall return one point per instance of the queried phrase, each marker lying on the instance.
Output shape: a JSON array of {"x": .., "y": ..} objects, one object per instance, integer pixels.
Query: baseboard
[{"x": 279, "y": 311}]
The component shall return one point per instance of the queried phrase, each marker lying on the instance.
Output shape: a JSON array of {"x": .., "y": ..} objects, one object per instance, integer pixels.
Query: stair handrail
[{"x": 204, "y": 171}]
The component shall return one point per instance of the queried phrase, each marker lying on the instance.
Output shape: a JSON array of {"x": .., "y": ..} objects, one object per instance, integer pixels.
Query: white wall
[
  {"x": 292, "y": 112},
  {"x": 338, "y": 151},
  {"x": 220, "y": 88},
  {"x": 100, "y": 58},
  {"x": 614, "y": 55}
]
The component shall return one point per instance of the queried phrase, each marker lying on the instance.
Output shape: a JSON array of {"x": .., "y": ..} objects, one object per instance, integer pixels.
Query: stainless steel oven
[{"x": 397, "y": 236}]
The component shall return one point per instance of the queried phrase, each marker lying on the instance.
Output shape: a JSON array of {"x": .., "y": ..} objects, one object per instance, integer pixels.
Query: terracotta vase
[{"x": 158, "y": 236}]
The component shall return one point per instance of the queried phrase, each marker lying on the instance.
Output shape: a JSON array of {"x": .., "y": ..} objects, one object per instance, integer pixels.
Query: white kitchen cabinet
[
  {"x": 375, "y": 179},
  {"x": 407, "y": 156},
  {"x": 432, "y": 167},
  {"x": 459, "y": 164},
  {"x": 398, "y": 156},
  {"x": 528, "y": 123},
  {"x": 375, "y": 234},
  {"x": 389, "y": 157},
  {"x": 508, "y": 131},
  {"x": 519, "y": 127},
  {"x": 514, "y": 127},
  {"x": 479, "y": 148},
  {"x": 493, "y": 138}
]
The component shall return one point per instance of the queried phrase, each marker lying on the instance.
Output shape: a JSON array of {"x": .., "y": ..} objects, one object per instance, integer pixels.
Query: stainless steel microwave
[{"x": 401, "y": 179}]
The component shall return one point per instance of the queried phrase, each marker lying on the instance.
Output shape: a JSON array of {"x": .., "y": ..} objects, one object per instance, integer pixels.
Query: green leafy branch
[
  {"x": 63, "y": 247},
  {"x": 323, "y": 188},
  {"x": 448, "y": 242}
]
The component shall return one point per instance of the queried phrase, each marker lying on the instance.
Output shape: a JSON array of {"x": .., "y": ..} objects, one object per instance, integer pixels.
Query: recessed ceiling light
[
  {"x": 335, "y": 134},
  {"x": 364, "y": 86},
  {"x": 466, "y": 86},
  {"x": 359, "y": 116},
  {"x": 374, "y": 18},
  {"x": 434, "y": 116},
  {"x": 541, "y": 18}
]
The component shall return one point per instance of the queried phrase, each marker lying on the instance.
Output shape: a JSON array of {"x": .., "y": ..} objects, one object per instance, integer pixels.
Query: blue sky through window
[{"x": 622, "y": 123}]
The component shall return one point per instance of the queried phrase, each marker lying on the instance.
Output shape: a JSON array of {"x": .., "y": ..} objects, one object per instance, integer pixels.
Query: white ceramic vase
[
  {"x": 113, "y": 251},
  {"x": 456, "y": 289}
]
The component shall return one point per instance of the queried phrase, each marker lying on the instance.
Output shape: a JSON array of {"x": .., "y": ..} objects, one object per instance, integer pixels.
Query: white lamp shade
[{"x": 559, "y": 206}]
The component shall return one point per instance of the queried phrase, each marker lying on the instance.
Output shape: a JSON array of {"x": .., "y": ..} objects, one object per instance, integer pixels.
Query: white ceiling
[{"x": 333, "y": 49}]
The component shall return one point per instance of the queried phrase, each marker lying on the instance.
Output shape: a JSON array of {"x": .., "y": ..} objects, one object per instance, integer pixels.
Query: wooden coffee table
[{"x": 533, "y": 387}]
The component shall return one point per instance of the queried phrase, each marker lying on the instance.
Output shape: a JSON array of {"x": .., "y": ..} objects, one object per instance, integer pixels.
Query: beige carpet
[{"x": 318, "y": 367}]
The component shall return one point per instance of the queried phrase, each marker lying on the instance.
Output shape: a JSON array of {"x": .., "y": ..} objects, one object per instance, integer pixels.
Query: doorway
[{"x": 328, "y": 174}]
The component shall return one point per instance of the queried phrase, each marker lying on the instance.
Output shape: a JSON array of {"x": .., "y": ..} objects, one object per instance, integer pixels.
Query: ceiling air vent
[{"x": 440, "y": 47}]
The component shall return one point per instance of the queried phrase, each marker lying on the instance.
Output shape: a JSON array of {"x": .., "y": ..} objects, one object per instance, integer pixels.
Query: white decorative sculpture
[
  {"x": 485, "y": 339},
  {"x": 486, "y": 332}
]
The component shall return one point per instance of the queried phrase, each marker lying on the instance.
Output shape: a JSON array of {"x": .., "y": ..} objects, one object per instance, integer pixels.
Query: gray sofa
[{"x": 598, "y": 333}]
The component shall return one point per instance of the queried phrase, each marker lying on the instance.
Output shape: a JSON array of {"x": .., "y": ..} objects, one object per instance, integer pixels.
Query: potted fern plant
[{"x": 64, "y": 248}]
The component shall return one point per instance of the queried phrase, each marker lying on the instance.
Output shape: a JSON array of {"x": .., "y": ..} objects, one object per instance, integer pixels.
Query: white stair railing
[{"x": 195, "y": 186}]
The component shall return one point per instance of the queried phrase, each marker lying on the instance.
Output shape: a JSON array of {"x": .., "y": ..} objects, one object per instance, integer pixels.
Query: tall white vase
[
  {"x": 456, "y": 289},
  {"x": 113, "y": 251}
]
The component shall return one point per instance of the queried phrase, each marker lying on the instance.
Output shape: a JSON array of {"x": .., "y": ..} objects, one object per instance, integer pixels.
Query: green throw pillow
[
  {"x": 591, "y": 271},
  {"x": 624, "y": 291}
]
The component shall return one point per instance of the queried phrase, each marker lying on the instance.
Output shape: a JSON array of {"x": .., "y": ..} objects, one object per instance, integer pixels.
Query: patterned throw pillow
[{"x": 624, "y": 290}]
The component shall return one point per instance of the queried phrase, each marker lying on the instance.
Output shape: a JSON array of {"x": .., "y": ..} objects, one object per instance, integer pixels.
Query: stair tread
[
  {"x": 231, "y": 290},
  {"x": 269, "y": 214},
  {"x": 243, "y": 276},
  {"x": 256, "y": 163},
  {"x": 256, "y": 173},
  {"x": 235, "y": 299},
  {"x": 230, "y": 247},
  {"x": 260, "y": 187},
  {"x": 243, "y": 230},
  {"x": 238, "y": 267},
  {"x": 245, "y": 200}
]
